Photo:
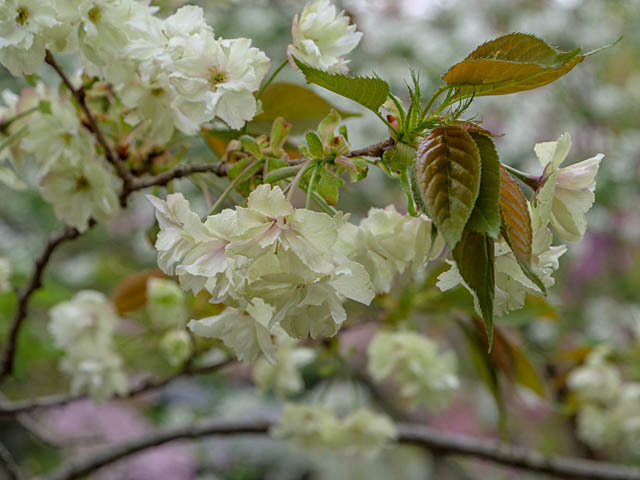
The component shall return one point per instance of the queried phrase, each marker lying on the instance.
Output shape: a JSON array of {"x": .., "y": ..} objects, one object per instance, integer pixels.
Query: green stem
[
  {"x": 13, "y": 138},
  {"x": 246, "y": 173},
  {"x": 307, "y": 204},
  {"x": 530, "y": 181},
  {"x": 434, "y": 97},
  {"x": 271, "y": 79},
  {"x": 294, "y": 183},
  {"x": 6, "y": 124},
  {"x": 406, "y": 188}
]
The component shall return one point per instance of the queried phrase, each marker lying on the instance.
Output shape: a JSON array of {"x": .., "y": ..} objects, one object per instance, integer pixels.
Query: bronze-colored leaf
[
  {"x": 448, "y": 170},
  {"x": 510, "y": 64},
  {"x": 131, "y": 293},
  {"x": 516, "y": 221}
]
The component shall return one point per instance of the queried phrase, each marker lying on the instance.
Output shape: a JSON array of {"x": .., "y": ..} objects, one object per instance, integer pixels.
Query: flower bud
[{"x": 176, "y": 346}]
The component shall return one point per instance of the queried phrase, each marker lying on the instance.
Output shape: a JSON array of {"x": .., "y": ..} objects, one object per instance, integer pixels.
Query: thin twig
[
  {"x": 9, "y": 464},
  {"x": 16, "y": 408},
  {"x": 375, "y": 150},
  {"x": 430, "y": 438},
  {"x": 79, "y": 95},
  {"x": 53, "y": 242},
  {"x": 219, "y": 169}
]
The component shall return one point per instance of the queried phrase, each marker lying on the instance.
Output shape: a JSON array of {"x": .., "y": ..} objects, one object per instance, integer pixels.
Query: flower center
[
  {"x": 217, "y": 76},
  {"x": 23, "y": 15},
  {"x": 66, "y": 138},
  {"x": 157, "y": 92},
  {"x": 94, "y": 15},
  {"x": 82, "y": 183}
]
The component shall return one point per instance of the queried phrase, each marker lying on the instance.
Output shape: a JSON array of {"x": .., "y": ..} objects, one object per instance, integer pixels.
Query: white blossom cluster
[
  {"x": 609, "y": 412},
  {"x": 74, "y": 178},
  {"x": 424, "y": 373},
  {"x": 322, "y": 36},
  {"x": 316, "y": 427},
  {"x": 171, "y": 72},
  {"x": 84, "y": 327},
  {"x": 276, "y": 268},
  {"x": 563, "y": 199}
]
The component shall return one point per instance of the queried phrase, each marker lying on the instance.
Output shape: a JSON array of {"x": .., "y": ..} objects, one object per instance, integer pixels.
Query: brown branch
[
  {"x": 375, "y": 150},
  {"x": 430, "y": 438},
  {"x": 17, "y": 408},
  {"x": 53, "y": 242},
  {"x": 9, "y": 464},
  {"x": 219, "y": 169},
  {"x": 79, "y": 95}
]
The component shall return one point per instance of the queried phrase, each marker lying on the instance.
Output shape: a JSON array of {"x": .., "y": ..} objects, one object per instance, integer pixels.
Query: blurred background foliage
[{"x": 596, "y": 297}]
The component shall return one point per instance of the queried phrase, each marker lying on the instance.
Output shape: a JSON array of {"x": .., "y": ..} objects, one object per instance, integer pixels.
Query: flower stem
[
  {"x": 296, "y": 179},
  {"x": 246, "y": 173},
  {"x": 271, "y": 79},
  {"x": 310, "y": 187},
  {"x": 530, "y": 181}
]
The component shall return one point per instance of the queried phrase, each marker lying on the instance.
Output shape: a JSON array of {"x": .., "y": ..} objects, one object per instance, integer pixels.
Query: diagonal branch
[
  {"x": 17, "y": 408},
  {"x": 79, "y": 95},
  {"x": 53, "y": 242},
  {"x": 430, "y": 438},
  {"x": 9, "y": 464}
]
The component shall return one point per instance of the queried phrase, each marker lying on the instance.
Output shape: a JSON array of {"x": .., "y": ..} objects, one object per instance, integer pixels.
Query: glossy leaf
[
  {"x": 474, "y": 256},
  {"x": 370, "y": 92},
  {"x": 516, "y": 222},
  {"x": 297, "y": 104},
  {"x": 485, "y": 217},
  {"x": 447, "y": 171},
  {"x": 510, "y": 64}
]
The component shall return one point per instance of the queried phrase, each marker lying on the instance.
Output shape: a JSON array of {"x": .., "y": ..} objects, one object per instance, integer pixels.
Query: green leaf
[
  {"x": 281, "y": 174},
  {"x": 314, "y": 145},
  {"x": 474, "y": 256},
  {"x": 448, "y": 171},
  {"x": 485, "y": 217},
  {"x": 509, "y": 64},
  {"x": 402, "y": 158},
  {"x": 328, "y": 186},
  {"x": 297, "y": 104},
  {"x": 370, "y": 92}
]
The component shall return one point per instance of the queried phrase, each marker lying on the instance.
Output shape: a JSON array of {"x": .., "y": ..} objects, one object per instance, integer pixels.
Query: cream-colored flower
[
  {"x": 217, "y": 78},
  {"x": 365, "y": 432},
  {"x": 23, "y": 28},
  {"x": 386, "y": 242},
  {"x": 598, "y": 380},
  {"x": 80, "y": 191},
  {"x": 322, "y": 36},
  {"x": 83, "y": 327},
  {"x": 166, "y": 303},
  {"x": 246, "y": 332},
  {"x": 283, "y": 376},
  {"x": 423, "y": 372},
  {"x": 567, "y": 193},
  {"x": 307, "y": 426},
  {"x": 176, "y": 345}
]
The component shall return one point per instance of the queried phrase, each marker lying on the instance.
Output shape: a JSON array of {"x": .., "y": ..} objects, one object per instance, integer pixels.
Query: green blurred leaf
[{"x": 298, "y": 105}]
